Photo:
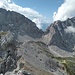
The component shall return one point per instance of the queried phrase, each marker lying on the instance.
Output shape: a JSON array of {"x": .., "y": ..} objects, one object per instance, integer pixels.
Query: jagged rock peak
[
  {"x": 63, "y": 24},
  {"x": 61, "y": 33}
]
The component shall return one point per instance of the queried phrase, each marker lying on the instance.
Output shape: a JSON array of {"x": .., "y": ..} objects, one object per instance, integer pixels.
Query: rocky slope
[{"x": 30, "y": 57}]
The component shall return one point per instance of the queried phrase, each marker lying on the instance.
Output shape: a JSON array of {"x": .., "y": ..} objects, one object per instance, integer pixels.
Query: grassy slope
[{"x": 69, "y": 64}]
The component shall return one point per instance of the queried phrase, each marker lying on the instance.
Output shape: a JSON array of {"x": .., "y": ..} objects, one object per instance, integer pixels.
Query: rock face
[
  {"x": 60, "y": 39},
  {"x": 18, "y": 24},
  {"x": 8, "y": 56}
]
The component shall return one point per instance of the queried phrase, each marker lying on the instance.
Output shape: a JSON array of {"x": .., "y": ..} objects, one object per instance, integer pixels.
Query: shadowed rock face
[
  {"x": 60, "y": 38},
  {"x": 18, "y": 24},
  {"x": 8, "y": 56}
]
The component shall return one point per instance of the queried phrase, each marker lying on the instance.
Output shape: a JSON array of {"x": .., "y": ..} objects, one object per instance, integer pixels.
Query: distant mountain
[
  {"x": 60, "y": 36},
  {"x": 18, "y": 24}
]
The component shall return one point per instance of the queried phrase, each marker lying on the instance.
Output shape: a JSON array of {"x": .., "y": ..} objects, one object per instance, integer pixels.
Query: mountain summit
[
  {"x": 60, "y": 36},
  {"x": 18, "y": 24}
]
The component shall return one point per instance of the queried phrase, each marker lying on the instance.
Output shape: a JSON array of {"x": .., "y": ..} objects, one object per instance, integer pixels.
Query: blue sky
[
  {"x": 42, "y": 12},
  {"x": 44, "y": 7}
]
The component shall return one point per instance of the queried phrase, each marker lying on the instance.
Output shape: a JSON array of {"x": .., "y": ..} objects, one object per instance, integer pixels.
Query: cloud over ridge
[
  {"x": 70, "y": 29},
  {"x": 66, "y": 10}
]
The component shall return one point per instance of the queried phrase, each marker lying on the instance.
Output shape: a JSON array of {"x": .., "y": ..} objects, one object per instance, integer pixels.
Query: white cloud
[
  {"x": 28, "y": 12},
  {"x": 40, "y": 22},
  {"x": 66, "y": 10},
  {"x": 70, "y": 29}
]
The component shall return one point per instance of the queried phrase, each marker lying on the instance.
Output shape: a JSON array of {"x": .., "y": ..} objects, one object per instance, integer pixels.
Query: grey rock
[
  {"x": 18, "y": 24},
  {"x": 7, "y": 53}
]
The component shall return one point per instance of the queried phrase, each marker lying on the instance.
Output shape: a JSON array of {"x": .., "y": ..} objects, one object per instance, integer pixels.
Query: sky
[
  {"x": 44, "y": 7},
  {"x": 42, "y": 12}
]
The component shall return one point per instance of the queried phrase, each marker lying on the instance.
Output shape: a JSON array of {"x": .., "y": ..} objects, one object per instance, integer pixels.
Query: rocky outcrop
[{"x": 8, "y": 56}]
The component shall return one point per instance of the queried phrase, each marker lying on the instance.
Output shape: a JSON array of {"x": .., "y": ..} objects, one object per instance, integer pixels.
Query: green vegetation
[
  {"x": 40, "y": 43},
  {"x": 70, "y": 67},
  {"x": 69, "y": 64},
  {"x": 3, "y": 33},
  {"x": 44, "y": 48}
]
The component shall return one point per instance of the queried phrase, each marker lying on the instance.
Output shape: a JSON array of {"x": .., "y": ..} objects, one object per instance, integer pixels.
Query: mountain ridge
[
  {"x": 60, "y": 37},
  {"x": 18, "y": 24}
]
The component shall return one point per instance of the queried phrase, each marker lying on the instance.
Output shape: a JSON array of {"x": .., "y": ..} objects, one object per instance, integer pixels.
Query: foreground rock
[{"x": 8, "y": 56}]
